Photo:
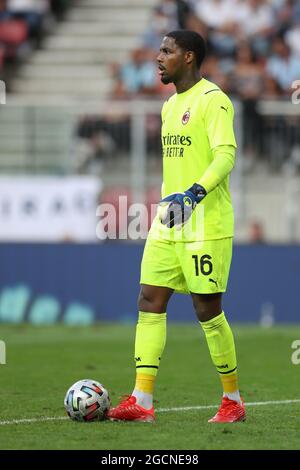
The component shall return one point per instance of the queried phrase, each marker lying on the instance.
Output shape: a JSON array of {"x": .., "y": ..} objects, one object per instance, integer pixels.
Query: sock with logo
[
  {"x": 150, "y": 341},
  {"x": 220, "y": 342}
]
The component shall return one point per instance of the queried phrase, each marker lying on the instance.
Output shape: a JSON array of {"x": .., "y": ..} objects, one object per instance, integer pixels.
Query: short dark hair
[{"x": 190, "y": 41}]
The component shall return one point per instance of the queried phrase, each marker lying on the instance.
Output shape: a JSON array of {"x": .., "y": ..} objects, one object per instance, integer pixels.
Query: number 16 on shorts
[{"x": 209, "y": 267}]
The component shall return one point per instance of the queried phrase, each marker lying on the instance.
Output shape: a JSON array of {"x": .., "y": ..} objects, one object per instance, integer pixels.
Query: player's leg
[
  {"x": 154, "y": 298},
  {"x": 221, "y": 346},
  {"x": 160, "y": 276},
  {"x": 207, "y": 270},
  {"x": 219, "y": 337},
  {"x": 150, "y": 340}
]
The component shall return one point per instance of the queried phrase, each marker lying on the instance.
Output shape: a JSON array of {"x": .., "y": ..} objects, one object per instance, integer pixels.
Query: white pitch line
[
  {"x": 206, "y": 407},
  {"x": 159, "y": 410},
  {"x": 33, "y": 420}
]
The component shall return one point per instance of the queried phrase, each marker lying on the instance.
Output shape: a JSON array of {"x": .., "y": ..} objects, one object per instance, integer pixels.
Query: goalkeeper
[{"x": 189, "y": 245}]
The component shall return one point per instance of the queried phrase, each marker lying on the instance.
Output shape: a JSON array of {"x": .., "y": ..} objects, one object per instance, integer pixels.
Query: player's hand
[{"x": 177, "y": 208}]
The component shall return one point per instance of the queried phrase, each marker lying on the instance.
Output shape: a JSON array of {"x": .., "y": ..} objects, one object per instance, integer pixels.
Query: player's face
[{"x": 171, "y": 61}]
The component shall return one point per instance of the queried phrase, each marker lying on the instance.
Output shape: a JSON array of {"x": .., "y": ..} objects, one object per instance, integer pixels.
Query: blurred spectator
[
  {"x": 218, "y": 16},
  {"x": 292, "y": 39},
  {"x": 93, "y": 143},
  {"x": 180, "y": 13},
  {"x": 170, "y": 15},
  {"x": 138, "y": 76},
  {"x": 157, "y": 30},
  {"x": 256, "y": 232},
  {"x": 247, "y": 74},
  {"x": 98, "y": 137},
  {"x": 212, "y": 70},
  {"x": 32, "y": 11},
  {"x": 247, "y": 82},
  {"x": 230, "y": 21},
  {"x": 13, "y": 35},
  {"x": 215, "y": 13},
  {"x": 286, "y": 12},
  {"x": 4, "y": 13},
  {"x": 184, "y": 13},
  {"x": 169, "y": 9},
  {"x": 256, "y": 20},
  {"x": 271, "y": 88},
  {"x": 283, "y": 66}
]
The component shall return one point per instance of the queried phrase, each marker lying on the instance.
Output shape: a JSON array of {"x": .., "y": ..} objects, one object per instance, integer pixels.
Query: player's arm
[
  {"x": 218, "y": 118},
  {"x": 221, "y": 166},
  {"x": 177, "y": 208}
]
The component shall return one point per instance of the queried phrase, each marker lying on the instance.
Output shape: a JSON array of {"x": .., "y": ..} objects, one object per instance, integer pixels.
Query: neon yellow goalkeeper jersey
[{"x": 193, "y": 124}]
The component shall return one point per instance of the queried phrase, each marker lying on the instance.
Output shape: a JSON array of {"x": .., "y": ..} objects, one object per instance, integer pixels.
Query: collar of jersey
[{"x": 197, "y": 85}]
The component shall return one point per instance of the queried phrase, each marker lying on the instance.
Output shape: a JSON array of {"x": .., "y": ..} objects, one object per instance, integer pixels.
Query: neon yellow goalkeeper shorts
[{"x": 187, "y": 267}]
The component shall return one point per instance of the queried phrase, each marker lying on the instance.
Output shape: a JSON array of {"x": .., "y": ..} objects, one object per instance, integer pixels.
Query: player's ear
[{"x": 189, "y": 56}]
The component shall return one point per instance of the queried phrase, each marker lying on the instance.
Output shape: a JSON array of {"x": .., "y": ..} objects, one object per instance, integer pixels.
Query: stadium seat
[{"x": 13, "y": 32}]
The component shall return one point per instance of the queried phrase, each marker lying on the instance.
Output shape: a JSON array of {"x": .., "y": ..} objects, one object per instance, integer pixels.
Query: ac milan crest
[{"x": 185, "y": 117}]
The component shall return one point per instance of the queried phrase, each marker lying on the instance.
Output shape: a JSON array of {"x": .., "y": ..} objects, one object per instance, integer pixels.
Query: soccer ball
[{"x": 87, "y": 400}]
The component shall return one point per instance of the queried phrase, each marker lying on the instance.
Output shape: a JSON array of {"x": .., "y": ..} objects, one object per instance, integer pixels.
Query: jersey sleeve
[
  {"x": 221, "y": 166},
  {"x": 218, "y": 120}
]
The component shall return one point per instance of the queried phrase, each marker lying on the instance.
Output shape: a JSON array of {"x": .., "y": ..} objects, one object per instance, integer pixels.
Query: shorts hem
[
  {"x": 180, "y": 291},
  {"x": 155, "y": 284},
  {"x": 220, "y": 291}
]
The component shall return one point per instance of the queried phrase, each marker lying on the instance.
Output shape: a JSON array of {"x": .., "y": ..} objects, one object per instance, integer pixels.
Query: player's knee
[
  {"x": 150, "y": 303},
  {"x": 207, "y": 308},
  {"x": 203, "y": 314}
]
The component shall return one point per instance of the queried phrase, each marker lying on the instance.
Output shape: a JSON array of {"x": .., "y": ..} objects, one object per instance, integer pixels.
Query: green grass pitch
[{"x": 42, "y": 362}]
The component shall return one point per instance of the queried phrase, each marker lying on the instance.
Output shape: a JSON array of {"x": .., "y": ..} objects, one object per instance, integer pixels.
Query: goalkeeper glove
[{"x": 177, "y": 208}]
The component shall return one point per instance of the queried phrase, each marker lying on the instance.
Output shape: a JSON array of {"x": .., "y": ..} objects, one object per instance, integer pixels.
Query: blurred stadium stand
[
  {"x": 23, "y": 25},
  {"x": 75, "y": 57},
  {"x": 68, "y": 111}
]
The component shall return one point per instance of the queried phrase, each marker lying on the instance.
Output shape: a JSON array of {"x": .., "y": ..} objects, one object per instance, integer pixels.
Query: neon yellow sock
[
  {"x": 145, "y": 383},
  {"x": 150, "y": 340},
  {"x": 229, "y": 383},
  {"x": 220, "y": 342}
]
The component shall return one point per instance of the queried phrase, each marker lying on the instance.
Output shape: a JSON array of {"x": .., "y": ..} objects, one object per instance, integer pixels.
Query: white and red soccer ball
[{"x": 87, "y": 400}]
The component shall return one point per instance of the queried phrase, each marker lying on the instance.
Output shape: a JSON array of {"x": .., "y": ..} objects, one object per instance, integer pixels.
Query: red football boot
[
  {"x": 129, "y": 410},
  {"x": 230, "y": 411}
]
